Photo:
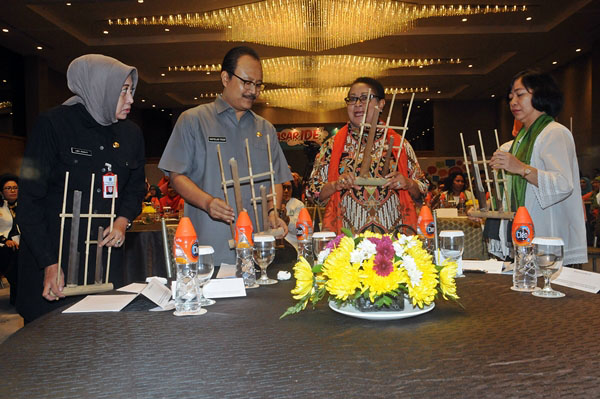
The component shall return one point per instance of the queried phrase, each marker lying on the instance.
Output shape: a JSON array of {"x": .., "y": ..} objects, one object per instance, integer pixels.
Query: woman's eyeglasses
[
  {"x": 11, "y": 188},
  {"x": 362, "y": 99}
]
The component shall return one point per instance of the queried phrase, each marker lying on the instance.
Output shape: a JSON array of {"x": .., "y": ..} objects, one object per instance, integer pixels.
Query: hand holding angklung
[
  {"x": 52, "y": 289},
  {"x": 218, "y": 209},
  {"x": 397, "y": 181}
]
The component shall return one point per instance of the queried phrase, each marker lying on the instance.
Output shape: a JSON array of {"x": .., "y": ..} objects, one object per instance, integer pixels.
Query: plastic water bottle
[
  {"x": 185, "y": 249},
  {"x": 525, "y": 275},
  {"x": 304, "y": 232},
  {"x": 243, "y": 250}
]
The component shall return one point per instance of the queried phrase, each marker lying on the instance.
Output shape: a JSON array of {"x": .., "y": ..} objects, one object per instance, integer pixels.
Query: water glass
[
  {"x": 320, "y": 240},
  {"x": 264, "y": 254},
  {"x": 206, "y": 266},
  {"x": 452, "y": 245},
  {"x": 187, "y": 290},
  {"x": 548, "y": 253}
]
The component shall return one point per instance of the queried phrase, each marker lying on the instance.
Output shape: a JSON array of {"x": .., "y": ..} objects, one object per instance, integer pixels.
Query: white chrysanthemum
[
  {"x": 399, "y": 249},
  {"x": 323, "y": 255},
  {"x": 412, "y": 270},
  {"x": 369, "y": 248},
  {"x": 357, "y": 256}
]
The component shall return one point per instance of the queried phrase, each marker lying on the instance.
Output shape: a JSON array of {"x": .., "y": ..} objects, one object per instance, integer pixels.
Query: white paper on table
[
  {"x": 101, "y": 303},
  {"x": 578, "y": 279},
  {"x": 135, "y": 288},
  {"x": 447, "y": 212},
  {"x": 226, "y": 271},
  {"x": 489, "y": 266},
  {"x": 224, "y": 288},
  {"x": 157, "y": 292}
]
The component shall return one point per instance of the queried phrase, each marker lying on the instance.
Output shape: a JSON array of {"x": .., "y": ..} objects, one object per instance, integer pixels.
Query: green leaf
[
  {"x": 294, "y": 309},
  {"x": 317, "y": 268},
  {"x": 347, "y": 232}
]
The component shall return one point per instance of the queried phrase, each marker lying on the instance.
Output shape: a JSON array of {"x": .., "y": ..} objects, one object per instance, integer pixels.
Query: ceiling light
[
  {"x": 68, "y": 4},
  {"x": 470, "y": 66},
  {"x": 208, "y": 72},
  {"x": 578, "y": 50},
  {"x": 105, "y": 32},
  {"x": 493, "y": 95},
  {"x": 528, "y": 19},
  {"x": 554, "y": 62},
  {"x": 153, "y": 105},
  {"x": 3, "y": 80},
  {"x": 195, "y": 98},
  {"x": 326, "y": 23},
  {"x": 140, "y": 1},
  {"x": 439, "y": 92},
  {"x": 39, "y": 47},
  {"x": 464, "y": 20},
  {"x": 4, "y": 30},
  {"x": 162, "y": 74},
  {"x": 143, "y": 100},
  {"x": 167, "y": 30},
  {"x": 162, "y": 110}
]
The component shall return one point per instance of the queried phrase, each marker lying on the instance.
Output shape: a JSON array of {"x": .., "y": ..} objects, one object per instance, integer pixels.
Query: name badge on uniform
[
  {"x": 109, "y": 185},
  {"x": 81, "y": 151},
  {"x": 215, "y": 139}
]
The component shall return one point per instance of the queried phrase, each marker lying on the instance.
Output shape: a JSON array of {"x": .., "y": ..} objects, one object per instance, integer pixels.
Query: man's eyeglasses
[
  {"x": 354, "y": 100},
  {"x": 249, "y": 85},
  {"x": 11, "y": 188}
]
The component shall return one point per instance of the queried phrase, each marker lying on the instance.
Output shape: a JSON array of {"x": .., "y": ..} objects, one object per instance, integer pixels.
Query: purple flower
[
  {"x": 335, "y": 242},
  {"x": 383, "y": 265}
]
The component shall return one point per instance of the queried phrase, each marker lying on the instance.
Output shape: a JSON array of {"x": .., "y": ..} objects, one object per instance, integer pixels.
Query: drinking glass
[
  {"x": 320, "y": 240},
  {"x": 206, "y": 266},
  {"x": 452, "y": 245},
  {"x": 187, "y": 292},
  {"x": 548, "y": 253},
  {"x": 264, "y": 254}
]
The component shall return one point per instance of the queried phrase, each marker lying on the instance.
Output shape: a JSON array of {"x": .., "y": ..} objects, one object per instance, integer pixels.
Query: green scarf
[{"x": 522, "y": 148}]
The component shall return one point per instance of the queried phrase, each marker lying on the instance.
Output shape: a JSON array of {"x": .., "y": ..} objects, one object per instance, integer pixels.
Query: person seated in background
[
  {"x": 289, "y": 210},
  {"x": 456, "y": 184},
  {"x": 153, "y": 196},
  {"x": 172, "y": 200},
  {"x": 297, "y": 187},
  {"x": 9, "y": 232}
]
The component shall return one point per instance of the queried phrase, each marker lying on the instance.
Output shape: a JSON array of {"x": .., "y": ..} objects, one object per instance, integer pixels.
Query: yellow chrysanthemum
[
  {"x": 376, "y": 284},
  {"x": 343, "y": 277},
  {"x": 424, "y": 293},
  {"x": 304, "y": 279},
  {"x": 447, "y": 283}
]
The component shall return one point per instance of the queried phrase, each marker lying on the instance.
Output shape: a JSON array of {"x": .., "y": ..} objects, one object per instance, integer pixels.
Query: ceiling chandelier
[
  {"x": 313, "y": 25},
  {"x": 323, "y": 71},
  {"x": 310, "y": 99}
]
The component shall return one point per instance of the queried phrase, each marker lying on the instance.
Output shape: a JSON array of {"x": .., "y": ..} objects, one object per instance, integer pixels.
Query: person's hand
[
  {"x": 345, "y": 182},
  {"x": 276, "y": 222},
  {"x": 218, "y": 209},
  {"x": 12, "y": 244},
  {"x": 53, "y": 291},
  {"x": 397, "y": 181},
  {"x": 473, "y": 218},
  {"x": 507, "y": 161},
  {"x": 116, "y": 236}
]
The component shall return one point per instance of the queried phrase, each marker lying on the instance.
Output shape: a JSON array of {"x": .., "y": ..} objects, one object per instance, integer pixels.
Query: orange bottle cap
[
  {"x": 185, "y": 242},
  {"x": 243, "y": 225},
  {"x": 425, "y": 222},
  {"x": 522, "y": 227},
  {"x": 304, "y": 227}
]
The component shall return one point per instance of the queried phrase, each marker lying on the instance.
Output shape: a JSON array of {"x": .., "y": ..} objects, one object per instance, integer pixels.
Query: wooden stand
[
  {"x": 72, "y": 288},
  {"x": 236, "y": 181}
]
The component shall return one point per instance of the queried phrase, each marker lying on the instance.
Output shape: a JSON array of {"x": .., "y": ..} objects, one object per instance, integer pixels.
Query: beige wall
[{"x": 11, "y": 153}]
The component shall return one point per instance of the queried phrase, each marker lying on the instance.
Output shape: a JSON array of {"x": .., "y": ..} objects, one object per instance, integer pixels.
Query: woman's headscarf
[
  {"x": 588, "y": 186},
  {"x": 97, "y": 81}
]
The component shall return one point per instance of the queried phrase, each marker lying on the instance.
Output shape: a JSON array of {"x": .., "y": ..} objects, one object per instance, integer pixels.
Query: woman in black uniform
[{"x": 87, "y": 134}]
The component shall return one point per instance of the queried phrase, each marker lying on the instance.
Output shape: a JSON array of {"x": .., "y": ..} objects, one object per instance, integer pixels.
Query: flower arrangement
[{"x": 373, "y": 268}]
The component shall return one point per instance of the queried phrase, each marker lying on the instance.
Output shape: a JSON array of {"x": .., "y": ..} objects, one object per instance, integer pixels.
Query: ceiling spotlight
[
  {"x": 493, "y": 95},
  {"x": 3, "y": 80},
  {"x": 167, "y": 30},
  {"x": 464, "y": 19},
  {"x": 162, "y": 74},
  {"x": 140, "y": 1},
  {"x": 68, "y": 4},
  {"x": 439, "y": 92},
  {"x": 39, "y": 47},
  {"x": 162, "y": 110},
  {"x": 195, "y": 98},
  {"x": 153, "y": 105},
  {"x": 208, "y": 72},
  {"x": 470, "y": 66},
  {"x": 105, "y": 32},
  {"x": 4, "y": 30},
  {"x": 554, "y": 62},
  {"x": 528, "y": 19},
  {"x": 578, "y": 50},
  {"x": 143, "y": 100}
]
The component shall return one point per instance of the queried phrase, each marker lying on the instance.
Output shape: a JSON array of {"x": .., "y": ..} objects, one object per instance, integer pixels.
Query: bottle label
[
  {"x": 523, "y": 235},
  {"x": 303, "y": 231},
  {"x": 186, "y": 249}
]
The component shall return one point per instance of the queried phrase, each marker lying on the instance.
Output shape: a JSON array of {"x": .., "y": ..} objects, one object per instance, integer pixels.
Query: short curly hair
[{"x": 546, "y": 96}]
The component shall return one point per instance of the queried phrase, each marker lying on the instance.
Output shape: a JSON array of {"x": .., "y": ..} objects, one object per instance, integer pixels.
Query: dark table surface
[{"x": 502, "y": 344}]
